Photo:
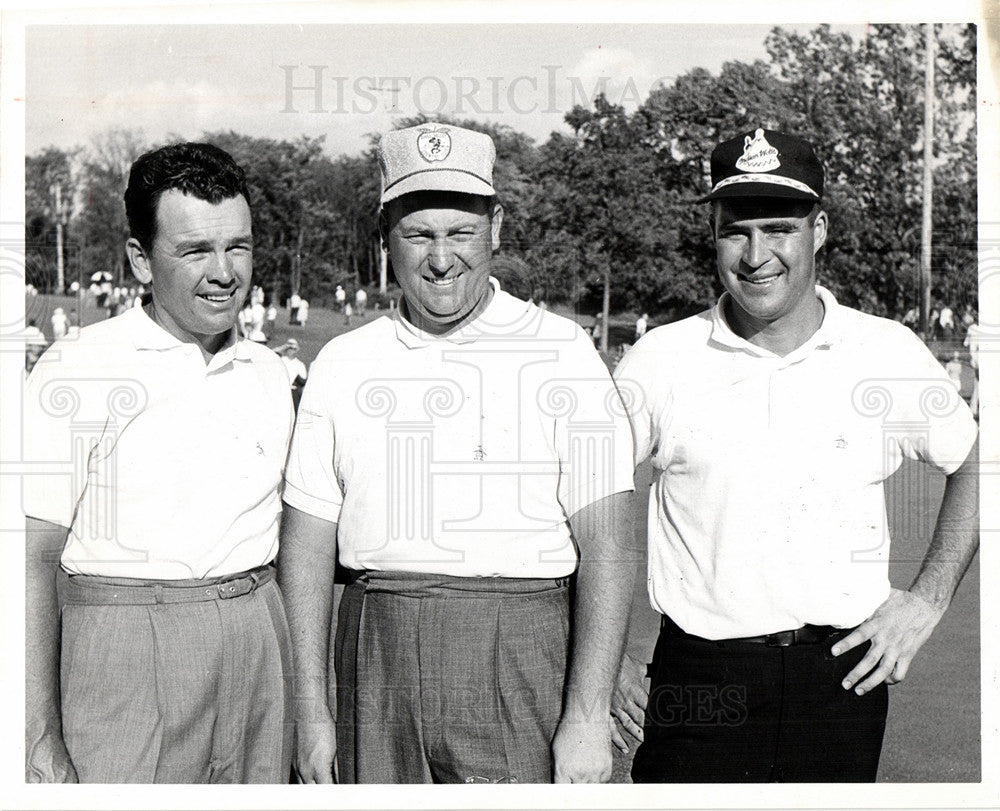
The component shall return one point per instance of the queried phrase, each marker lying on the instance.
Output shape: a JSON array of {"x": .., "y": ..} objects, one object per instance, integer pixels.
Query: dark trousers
[{"x": 745, "y": 712}]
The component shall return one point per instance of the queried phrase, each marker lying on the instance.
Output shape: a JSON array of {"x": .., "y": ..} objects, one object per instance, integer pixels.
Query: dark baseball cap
[{"x": 765, "y": 163}]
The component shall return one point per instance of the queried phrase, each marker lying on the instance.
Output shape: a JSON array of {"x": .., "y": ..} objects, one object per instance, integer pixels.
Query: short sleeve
[
  {"x": 51, "y": 408},
  {"x": 593, "y": 436},
  {"x": 922, "y": 409},
  {"x": 633, "y": 380},
  {"x": 310, "y": 478}
]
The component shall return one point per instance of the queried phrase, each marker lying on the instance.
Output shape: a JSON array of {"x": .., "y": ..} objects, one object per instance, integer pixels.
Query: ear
[
  {"x": 139, "y": 261},
  {"x": 819, "y": 231},
  {"x": 495, "y": 222}
]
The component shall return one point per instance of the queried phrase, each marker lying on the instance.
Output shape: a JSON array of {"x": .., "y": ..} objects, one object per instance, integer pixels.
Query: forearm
[
  {"x": 643, "y": 619},
  {"x": 44, "y": 545},
  {"x": 46, "y": 758},
  {"x": 956, "y": 536},
  {"x": 306, "y": 565},
  {"x": 604, "y": 584}
]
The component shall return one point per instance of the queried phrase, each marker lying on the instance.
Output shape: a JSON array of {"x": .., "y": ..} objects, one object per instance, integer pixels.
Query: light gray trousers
[{"x": 156, "y": 690}]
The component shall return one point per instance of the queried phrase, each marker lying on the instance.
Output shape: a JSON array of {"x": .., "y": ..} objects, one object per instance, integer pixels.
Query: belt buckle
[
  {"x": 235, "y": 588},
  {"x": 781, "y": 639},
  {"x": 239, "y": 586},
  {"x": 227, "y": 590}
]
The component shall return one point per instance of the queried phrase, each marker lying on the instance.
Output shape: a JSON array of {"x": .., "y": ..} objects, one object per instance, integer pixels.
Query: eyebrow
[
  {"x": 768, "y": 222},
  {"x": 429, "y": 228},
  {"x": 202, "y": 242}
]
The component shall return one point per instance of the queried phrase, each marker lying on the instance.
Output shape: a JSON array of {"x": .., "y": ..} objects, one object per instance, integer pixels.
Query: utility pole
[
  {"x": 296, "y": 280},
  {"x": 605, "y": 308},
  {"x": 56, "y": 191},
  {"x": 928, "y": 219}
]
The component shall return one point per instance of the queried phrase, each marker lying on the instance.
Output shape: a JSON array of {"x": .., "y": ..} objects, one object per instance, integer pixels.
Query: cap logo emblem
[
  {"x": 758, "y": 155},
  {"x": 434, "y": 145}
]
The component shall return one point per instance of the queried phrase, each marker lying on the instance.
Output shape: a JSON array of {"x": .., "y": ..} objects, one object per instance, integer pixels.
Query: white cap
[{"x": 436, "y": 157}]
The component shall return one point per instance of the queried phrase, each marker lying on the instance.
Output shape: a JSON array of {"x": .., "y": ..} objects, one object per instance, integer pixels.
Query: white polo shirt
[
  {"x": 767, "y": 511},
  {"x": 162, "y": 467},
  {"x": 462, "y": 455}
]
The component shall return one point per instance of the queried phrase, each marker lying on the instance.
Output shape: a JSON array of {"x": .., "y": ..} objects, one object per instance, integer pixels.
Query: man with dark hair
[
  {"x": 164, "y": 655},
  {"x": 772, "y": 421},
  {"x": 461, "y": 459},
  {"x": 202, "y": 170}
]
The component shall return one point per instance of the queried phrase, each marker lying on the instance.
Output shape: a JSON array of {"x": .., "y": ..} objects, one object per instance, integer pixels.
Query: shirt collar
[
  {"x": 414, "y": 338},
  {"x": 824, "y": 337},
  {"x": 148, "y": 335}
]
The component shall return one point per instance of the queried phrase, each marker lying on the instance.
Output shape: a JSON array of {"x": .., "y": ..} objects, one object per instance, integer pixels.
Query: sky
[{"x": 345, "y": 82}]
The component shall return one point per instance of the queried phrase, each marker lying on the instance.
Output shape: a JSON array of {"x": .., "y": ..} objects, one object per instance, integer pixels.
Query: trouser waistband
[
  {"x": 83, "y": 589},
  {"x": 806, "y": 635},
  {"x": 417, "y": 584}
]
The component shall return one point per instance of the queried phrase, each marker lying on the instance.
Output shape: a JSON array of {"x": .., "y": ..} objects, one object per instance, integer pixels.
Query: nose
[
  {"x": 755, "y": 254},
  {"x": 221, "y": 270},
  {"x": 441, "y": 258}
]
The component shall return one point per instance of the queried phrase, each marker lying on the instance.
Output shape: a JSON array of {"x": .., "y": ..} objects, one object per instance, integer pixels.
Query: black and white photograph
[{"x": 526, "y": 395}]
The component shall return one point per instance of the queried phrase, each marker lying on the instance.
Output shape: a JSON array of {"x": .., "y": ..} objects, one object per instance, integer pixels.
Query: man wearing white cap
[
  {"x": 461, "y": 458},
  {"x": 772, "y": 421},
  {"x": 297, "y": 371}
]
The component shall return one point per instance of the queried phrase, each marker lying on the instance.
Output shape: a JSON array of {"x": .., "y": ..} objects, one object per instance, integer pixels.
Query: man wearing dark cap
[
  {"x": 461, "y": 458},
  {"x": 772, "y": 421},
  {"x": 159, "y": 438}
]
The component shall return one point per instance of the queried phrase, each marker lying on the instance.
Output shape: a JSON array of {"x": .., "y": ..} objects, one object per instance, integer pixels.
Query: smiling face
[
  {"x": 441, "y": 245},
  {"x": 199, "y": 266},
  {"x": 765, "y": 253}
]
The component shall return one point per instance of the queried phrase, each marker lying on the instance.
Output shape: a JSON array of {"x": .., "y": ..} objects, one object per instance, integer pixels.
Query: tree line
[{"x": 608, "y": 206}]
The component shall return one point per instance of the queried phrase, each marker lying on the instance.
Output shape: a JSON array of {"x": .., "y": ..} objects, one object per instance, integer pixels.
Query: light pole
[
  {"x": 60, "y": 216},
  {"x": 928, "y": 220}
]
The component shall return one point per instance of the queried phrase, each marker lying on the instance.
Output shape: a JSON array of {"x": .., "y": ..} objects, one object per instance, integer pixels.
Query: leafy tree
[
  {"x": 100, "y": 228},
  {"x": 297, "y": 220},
  {"x": 601, "y": 209},
  {"x": 863, "y": 106},
  {"x": 351, "y": 185},
  {"x": 49, "y": 197}
]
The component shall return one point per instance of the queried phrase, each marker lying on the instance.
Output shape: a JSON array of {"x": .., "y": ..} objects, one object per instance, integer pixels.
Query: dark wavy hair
[{"x": 201, "y": 170}]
